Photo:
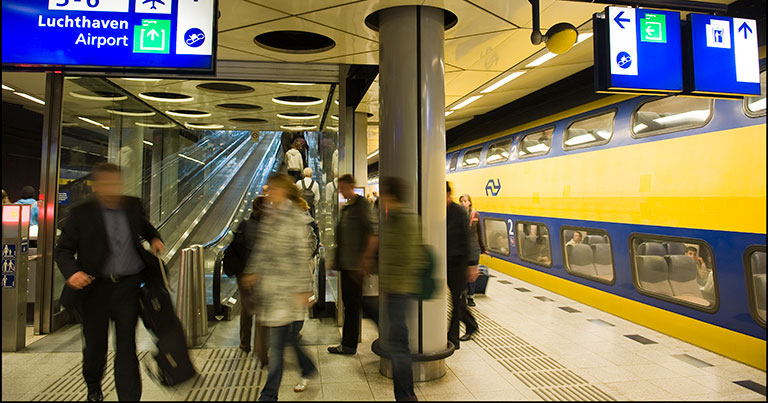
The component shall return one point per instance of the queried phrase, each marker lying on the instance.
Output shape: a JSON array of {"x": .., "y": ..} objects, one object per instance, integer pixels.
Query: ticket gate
[{"x": 15, "y": 250}]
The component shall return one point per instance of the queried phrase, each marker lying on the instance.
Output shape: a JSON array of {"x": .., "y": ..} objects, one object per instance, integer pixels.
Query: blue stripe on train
[{"x": 728, "y": 248}]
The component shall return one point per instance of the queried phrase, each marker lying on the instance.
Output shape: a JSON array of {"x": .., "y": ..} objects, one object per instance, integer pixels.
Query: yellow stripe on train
[
  {"x": 738, "y": 346},
  {"x": 713, "y": 181}
]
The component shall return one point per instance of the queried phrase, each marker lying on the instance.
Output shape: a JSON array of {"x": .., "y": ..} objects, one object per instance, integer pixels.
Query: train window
[
  {"x": 754, "y": 262},
  {"x": 496, "y": 235},
  {"x": 671, "y": 114},
  {"x": 471, "y": 158},
  {"x": 589, "y": 132},
  {"x": 454, "y": 160},
  {"x": 498, "y": 152},
  {"x": 537, "y": 143},
  {"x": 533, "y": 243},
  {"x": 679, "y": 270},
  {"x": 755, "y": 106},
  {"x": 587, "y": 253}
]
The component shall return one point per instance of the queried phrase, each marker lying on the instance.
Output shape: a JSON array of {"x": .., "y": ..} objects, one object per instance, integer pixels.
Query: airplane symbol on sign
[{"x": 154, "y": 3}]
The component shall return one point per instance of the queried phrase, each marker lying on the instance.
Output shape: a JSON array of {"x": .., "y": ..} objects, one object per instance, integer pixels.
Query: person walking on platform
[
  {"x": 458, "y": 254},
  {"x": 278, "y": 270},
  {"x": 355, "y": 247},
  {"x": 100, "y": 254},
  {"x": 294, "y": 162},
  {"x": 476, "y": 247},
  {"x": 401, "y": 262},
  {"x": 309, "y": 189},
  {"x": 242, "y": 245}
]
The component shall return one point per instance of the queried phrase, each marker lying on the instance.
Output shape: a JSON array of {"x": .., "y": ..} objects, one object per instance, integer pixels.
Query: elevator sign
[
  {"x": 125, "y": 35},
  {"x": 724, "y": 56},
  {"x": 644, "y": 50}
]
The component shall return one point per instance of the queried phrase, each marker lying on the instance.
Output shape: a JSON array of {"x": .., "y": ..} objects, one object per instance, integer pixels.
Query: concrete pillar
[
  {"x": 346, "y": 128},
  {"x": 412, "y": 147}
]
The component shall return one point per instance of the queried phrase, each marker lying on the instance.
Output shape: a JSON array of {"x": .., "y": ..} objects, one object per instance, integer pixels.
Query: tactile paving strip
[
  {"x": 546, "y": 377},
  {"x": 227, "y": 374},
  {"x": 71, "y": 385}
]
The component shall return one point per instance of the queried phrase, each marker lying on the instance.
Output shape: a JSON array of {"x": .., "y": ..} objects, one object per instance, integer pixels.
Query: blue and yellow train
[{"x": 649, "y": 208}]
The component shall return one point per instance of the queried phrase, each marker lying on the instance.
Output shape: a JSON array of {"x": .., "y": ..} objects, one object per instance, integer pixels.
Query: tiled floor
[{"x": 590, "y": 344}]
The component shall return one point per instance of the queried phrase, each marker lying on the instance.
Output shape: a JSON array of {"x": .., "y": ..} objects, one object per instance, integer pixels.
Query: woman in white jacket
[
  {"x": 278, "y": 270},
  {"x": 294, "y": 161}
]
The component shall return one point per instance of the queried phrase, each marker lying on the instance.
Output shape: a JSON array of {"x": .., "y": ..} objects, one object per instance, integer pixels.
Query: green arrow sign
[
  {"x": 152, "y": 36},
  {"x": 653, "y": 28}
]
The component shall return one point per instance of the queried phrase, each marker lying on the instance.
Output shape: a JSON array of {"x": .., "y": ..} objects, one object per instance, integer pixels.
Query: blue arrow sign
[
  {"x": 619, "y": 20},
  {"x": 744, "y": 27}
]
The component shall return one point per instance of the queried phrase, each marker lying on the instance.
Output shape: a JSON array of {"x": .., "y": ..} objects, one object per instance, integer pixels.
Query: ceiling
[{"x": 490, "y": 40}]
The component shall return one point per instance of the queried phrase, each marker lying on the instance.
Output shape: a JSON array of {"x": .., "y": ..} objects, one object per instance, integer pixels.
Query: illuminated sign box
[
  {"x": 638, "y": 50},
  {"x": 722, "y": 56},
  {"x": 110, "y": 35}
]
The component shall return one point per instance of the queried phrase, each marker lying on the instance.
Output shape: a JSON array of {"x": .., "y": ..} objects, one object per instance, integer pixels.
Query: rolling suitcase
[
  {"x": 159, "y": 317},
  {"x": 482, "y": 280}
]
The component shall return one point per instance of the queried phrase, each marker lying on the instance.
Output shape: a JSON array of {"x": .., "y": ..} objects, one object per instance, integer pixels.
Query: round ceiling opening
[
  {"x": 248, "y": 120},
  {"x": 239, "y": 107},
  {"x": 106, "y": 96},
  {"x": 165, "y": 96},
  {"x": 294, "y": 42},
  {"x": 188, "y": 113},
  {"x": 229, "y": 88},
  {"x": 297, "y": 100},
  {"x": 296, "y": 128},
  {"x": 298, "y": 115}
]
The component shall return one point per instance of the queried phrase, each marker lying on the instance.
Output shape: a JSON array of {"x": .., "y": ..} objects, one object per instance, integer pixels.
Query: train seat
[
  {"x": 567, "y": 235},
  {"x": 528, "y": 246},
  {"x": 758, "y": 263},
  {"x": 580, "y": 259},
  {"x": 651, "y": 248},
  {"x": 602, "y": 260},
  {"x": 682, "y": 278},
  {"x": 653, "y": 274},
  {"x": 675, "y": 248},
  {"x": 595, "y": 239}
]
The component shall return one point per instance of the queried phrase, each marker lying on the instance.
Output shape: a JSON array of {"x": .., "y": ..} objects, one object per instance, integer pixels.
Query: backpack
[
  {"x": 428, "y": 283},
  {"x": 307, "y": 194}
]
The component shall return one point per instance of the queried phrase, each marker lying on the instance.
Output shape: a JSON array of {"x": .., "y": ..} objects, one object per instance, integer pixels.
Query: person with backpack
[
  {"x": 235, "y": 259},
  {"x": 400, "y": 279},
  {"x": 310, "y": 190},
  {"x": 458, "y": 253}
]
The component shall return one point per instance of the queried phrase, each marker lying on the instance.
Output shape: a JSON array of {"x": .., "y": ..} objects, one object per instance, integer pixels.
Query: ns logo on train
[{"x": 491, "y": 188}]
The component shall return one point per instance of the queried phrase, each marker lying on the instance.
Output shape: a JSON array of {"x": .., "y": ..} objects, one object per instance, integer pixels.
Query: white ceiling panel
[{"x": 238, "y": 13}]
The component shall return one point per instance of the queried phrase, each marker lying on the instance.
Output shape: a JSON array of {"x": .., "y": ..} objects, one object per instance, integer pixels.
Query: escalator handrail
[{"x": 244, "y": 142}]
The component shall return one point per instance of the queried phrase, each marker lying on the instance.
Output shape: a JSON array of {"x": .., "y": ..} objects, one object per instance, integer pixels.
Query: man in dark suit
[
  {"x": 458, "y": 249},
  {"x": 100, "y": 254}
]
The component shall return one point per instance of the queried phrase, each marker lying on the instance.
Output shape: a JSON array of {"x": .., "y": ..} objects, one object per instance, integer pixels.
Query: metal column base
[{"x": 426, "y": 367}]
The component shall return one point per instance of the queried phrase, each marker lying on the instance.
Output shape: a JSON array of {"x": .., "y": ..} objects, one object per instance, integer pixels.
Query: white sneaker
[{"x": 301, "y": 386}]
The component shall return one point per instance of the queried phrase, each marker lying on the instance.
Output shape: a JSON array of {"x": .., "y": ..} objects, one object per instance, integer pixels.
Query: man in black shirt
[{"x": 457, "y": 253}]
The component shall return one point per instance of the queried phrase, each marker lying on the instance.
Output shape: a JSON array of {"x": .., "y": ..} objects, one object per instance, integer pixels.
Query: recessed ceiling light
[
  {"x": 156, "y": 125},
  {"x": 503, "y": 81},
  {"x": 30, "y": 97},
  {"x": 373, "y": 154},
  {"x": 541, "y": 60},
  {"x": 298, "y": 116},
  {"x": 185, "y": 113},
  {"x": 165, "y": 97},
  {"x": 296, "y": 100},
  {"x": 583, "y": 37},
  {"x": 336, "y": 101},
  {"x": 335, "y": 117},
  {"x": 131, "y": 113},
  {"x": 298, "y": 127},
  {"x": 5, "y": 87},
  {"x": 93, "y": 122},
  {"x": 448, "y": 113},
  {"x": 140, "y": 79},
  {"x": 297, "y": 83},
  {"x": 104, "y": 96},
  {"x": 149, "y": 143},
  {"x": 467, "y": 102},
  {"x": 204, "y": 126},
  {"x": 333, "y": 128},
  {"x": 72, "y": 77},
  {"x": 190, "y": 158}
]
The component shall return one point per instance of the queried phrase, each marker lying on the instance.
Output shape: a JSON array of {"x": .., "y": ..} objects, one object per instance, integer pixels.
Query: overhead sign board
[
  {"x": 638, "y": 50},
  {"x": 723, "y": 56},
  {"x": 108, "y": 35}
]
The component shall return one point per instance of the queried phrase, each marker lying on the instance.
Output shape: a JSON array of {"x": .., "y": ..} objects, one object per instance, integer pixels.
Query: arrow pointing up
[
  {"x": 744, "y": 27},
  {"x": 619, "y": 20},
  {"x": 152, "y": 34}
]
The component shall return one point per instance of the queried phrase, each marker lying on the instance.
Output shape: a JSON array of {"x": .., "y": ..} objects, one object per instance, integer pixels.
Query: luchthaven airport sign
[{"x": 123, "y": 35}]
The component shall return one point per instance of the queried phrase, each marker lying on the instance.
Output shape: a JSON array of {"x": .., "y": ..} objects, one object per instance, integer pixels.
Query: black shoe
[
  {"x": 342, "y": 350},
  {"x": 95, "y": 395},
  {"x": 471, "y": 302},
  {"x": 467, "y": 336}
]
